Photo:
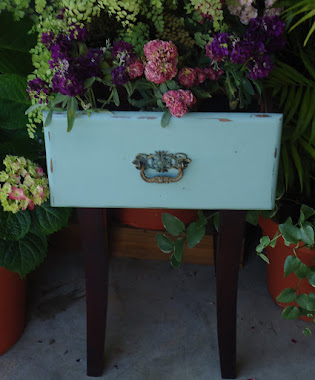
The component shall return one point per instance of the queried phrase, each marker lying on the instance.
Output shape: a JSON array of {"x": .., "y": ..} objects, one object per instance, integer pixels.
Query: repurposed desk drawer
[{"x": 233, "y": 160}]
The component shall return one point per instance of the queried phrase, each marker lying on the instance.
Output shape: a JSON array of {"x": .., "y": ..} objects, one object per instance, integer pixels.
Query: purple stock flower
[
  {"x": 70, "y": 75},
  {"x": 61, "y": 47},
  {"x": 260, "y": 67},
  {"x": 119, "y": 75},
  {"x": 218, "y": 49},
  {"x": 78, "y": 33},
  {"x": 39, "y": 89},
  {"x": 47, "y": 38}
]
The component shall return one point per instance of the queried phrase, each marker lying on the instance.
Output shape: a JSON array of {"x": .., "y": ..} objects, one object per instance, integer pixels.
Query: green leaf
[
  {"x": 287, "y": 295},
  {"x": 307, "y": 233},
  {"x": 25, "y": 255},
  {"x": 13, "y": 101},
  {"x": 14, "y": 226},
  {"x": 179, "y": 249},
  {"x": 47, "y": 219},
  {"x": 163, "y": 88},
  {"x": 298, "y": 163},
  {"x": 34, "y": 107},
  {"x": 291, "y": 312},
  {"x": 171, "y": 84},
  {"x": 165, "y": 244},
  {"x": 302, "y": 271},
  {"x": 116, "y": 96},
  {"x": 59, "y": 98},
  {"x": 306, "y": 302},
  {"x": 264, "y": 257},
  {"x": 306, "y": 331},
  {"x": 252, "y": 217},
  {"x": 48, "y": 118},
  {"x": 307, "y": 211},
  {"x": 174, "y": 262},
  {"x": 291, "y": 264},
  {"x": 195, "y": 232},
  {"x": 15, "y": 44},
  {"x": 172, "y": 224},
  {"x": 71, "y": 110},
  {"x": 166, "y": 118},
  {"x": 291, "y": 233},
  {"x": 311, "y": 277}
]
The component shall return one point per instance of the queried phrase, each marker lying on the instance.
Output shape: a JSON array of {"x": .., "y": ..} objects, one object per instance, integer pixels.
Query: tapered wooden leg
[
  {"x": 94, "y": 239},
  {"x": 230, "y": 238}
]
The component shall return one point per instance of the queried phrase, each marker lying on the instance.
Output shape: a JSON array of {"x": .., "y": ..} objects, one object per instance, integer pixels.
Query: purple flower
[
  {"x": 120, "y": 47},
  {"x": 260, "y": 67},
  {"x": 61, "y": 14},
  {"x": 47, "y": 38},
  {"x": 119, "y": 75},
  {"x": 218, "y": 49},
  {"x": 38, "y": 89},
  {"x": 78, "y": 33},
  {"x": 70, "y": 75},
  {"x": 61, "y": 47}
]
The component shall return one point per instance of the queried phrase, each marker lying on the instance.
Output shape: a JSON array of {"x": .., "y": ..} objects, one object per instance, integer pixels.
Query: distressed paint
[{"x": 233, "y": 166}]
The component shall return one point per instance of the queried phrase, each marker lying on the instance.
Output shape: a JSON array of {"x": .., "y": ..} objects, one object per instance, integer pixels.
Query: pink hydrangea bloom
[
  {"x": 39, "y": 171},
  {"x": 135, "y": 69},
  {"x": 178, "y": 101},
  {"x": 17, "y": 194}
]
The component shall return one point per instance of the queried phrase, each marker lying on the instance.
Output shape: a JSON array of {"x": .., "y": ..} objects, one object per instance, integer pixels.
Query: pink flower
[
  {"x": 17, "y": 194},
  {"x": 31, "y": 204},
  {"x": 187, "y": 77},
  {"x": 201, "y": 75},
  {"x": 178, "y": 101},
  {"x": 162, "y": 50},
  {"x": 39, "y": 171},
  {"x": 212, "y": 74},
  {"x": 160, "y": 71},
  {"x": 135, "y": 69}
]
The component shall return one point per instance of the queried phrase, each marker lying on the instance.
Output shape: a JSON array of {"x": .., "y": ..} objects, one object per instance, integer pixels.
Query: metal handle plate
[{"x": 161, "y": 162}]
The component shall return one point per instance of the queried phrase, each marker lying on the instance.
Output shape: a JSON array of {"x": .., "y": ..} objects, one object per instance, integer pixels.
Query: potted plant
[{"x": 26, "y": 219}]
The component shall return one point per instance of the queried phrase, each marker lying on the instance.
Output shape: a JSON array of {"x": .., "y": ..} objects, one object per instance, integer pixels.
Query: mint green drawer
[{"x": 234, "y": 160}]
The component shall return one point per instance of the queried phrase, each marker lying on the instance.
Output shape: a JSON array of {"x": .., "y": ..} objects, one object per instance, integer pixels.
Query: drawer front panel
[{"x": 234, "y": 160}]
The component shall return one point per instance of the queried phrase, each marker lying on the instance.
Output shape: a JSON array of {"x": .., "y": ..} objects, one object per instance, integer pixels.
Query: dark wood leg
[
  {"x": 94, "y": 239},
  {"x": 230, "y": 238}
]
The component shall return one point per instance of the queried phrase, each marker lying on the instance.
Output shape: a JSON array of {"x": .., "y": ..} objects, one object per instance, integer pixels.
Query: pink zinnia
[
  {"x": 17, "y": 194},
  {"x": 160, "y": 71}
]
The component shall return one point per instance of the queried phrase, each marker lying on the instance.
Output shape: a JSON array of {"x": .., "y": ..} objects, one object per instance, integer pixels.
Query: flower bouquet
[{"x": 168, "y": 56}]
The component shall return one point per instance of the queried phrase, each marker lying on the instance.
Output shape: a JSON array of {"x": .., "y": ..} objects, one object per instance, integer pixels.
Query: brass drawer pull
[{"x": 161, "y": 162}]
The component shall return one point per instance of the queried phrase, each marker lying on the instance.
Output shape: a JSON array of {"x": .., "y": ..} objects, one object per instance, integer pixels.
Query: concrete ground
[{"x": 161, "y": 325}]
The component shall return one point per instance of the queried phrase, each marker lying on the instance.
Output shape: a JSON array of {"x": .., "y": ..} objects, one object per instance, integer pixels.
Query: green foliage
[
  {"x": 13, "y": 101},
  {"x": 296, "y": 235},
  {"x": 23, "y": 242},
  {"x": 15, "y": 44},
  {"x": 47, "y": 219},
  {"x": 191, "y": 235},
  {"x": 24, "y": 255}
]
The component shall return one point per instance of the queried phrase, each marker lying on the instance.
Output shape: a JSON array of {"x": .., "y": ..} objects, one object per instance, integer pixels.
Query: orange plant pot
[
  {"x": 277, "y": 256},
  {"x": 150, "y": 219},
  {"x": 12, "y": 308}
]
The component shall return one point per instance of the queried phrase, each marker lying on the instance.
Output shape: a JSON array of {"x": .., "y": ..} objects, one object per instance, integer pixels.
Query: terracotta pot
[
  {"x": 276, "y": 282},
  {"x": 12, "y": 308},
  {"x": 150, "y": 219}
]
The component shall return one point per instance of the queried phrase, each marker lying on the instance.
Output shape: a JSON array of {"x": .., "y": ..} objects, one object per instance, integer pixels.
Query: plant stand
[
  {"x": 230, "y": 163},
  {"x": 94, "y": 237}
]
